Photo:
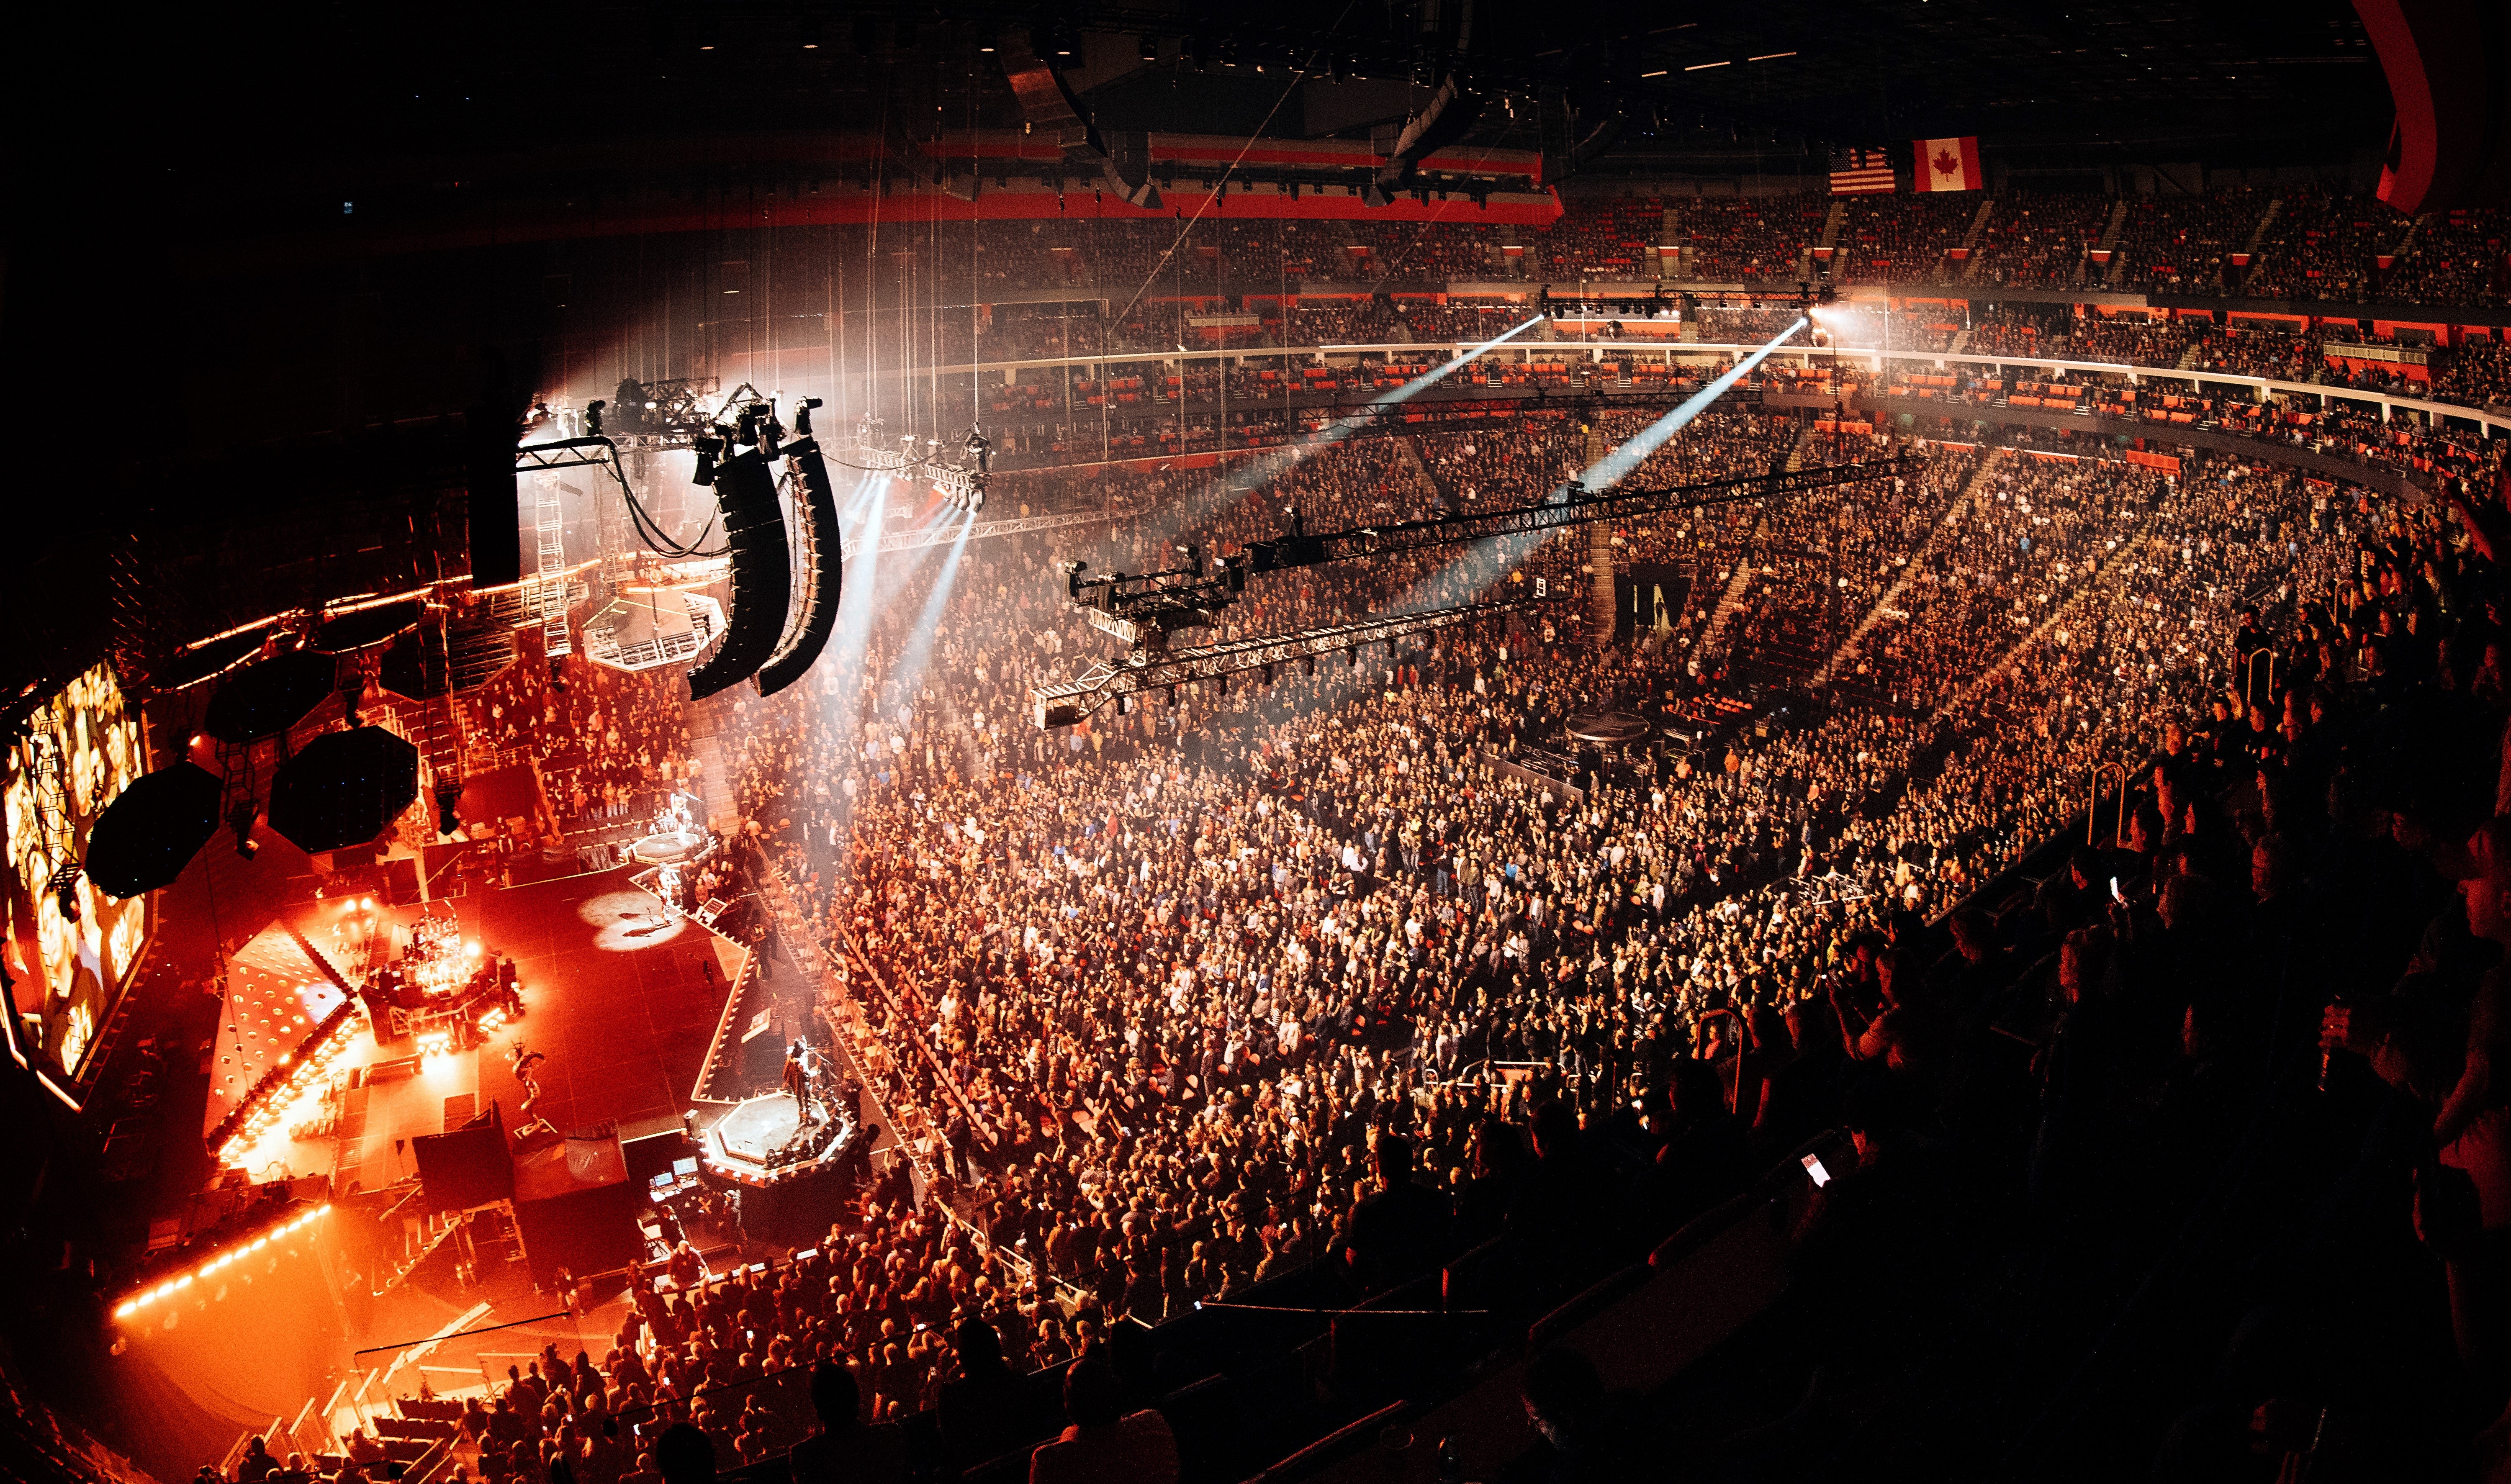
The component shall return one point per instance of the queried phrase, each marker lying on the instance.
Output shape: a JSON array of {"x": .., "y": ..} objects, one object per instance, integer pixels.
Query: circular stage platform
[
  {"x": 668, "y": 846},
  {"x": 1612, "y": 726},
  {"x": 763, "y": 1140},
  {"x": 789, "y": 1181}
]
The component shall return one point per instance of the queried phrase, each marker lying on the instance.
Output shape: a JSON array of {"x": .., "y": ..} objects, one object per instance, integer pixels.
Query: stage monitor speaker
[
  {"x": 762, "y": 575},
  {"x": 815, "y": 616}
]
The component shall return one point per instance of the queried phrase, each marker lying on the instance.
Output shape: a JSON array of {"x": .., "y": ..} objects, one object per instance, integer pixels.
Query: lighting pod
[
  {"x": 152, "y": 829},
  {"x": 343, "y": 788}
]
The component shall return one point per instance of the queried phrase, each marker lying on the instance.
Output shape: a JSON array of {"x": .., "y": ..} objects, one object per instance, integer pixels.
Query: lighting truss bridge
[
  {"x": 1569, "y": 505},
  {"x": 1145, "y": 670},
  {"x": 1144, "y": 610}
]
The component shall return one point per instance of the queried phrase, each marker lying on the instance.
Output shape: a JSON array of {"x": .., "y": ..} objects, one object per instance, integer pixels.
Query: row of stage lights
[
  {"x": 218, "y": 1264},
  {"x": 265, "y": 1107},
  {"x": 961, "y": 485}
]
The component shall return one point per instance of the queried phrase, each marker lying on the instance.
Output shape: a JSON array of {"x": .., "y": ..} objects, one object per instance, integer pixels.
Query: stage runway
[{"x": 616, "y": 995}]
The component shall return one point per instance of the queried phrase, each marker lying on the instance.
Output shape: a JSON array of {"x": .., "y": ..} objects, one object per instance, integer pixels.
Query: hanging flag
[
  {"x": 1860, "y": 172},
  {"x": 1950, "y": 165}
]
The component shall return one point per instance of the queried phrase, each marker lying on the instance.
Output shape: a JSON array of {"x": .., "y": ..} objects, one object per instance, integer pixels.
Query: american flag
[{"x": 1860, "y": 172}]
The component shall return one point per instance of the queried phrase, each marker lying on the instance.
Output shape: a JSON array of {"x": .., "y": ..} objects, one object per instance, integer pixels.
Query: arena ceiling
[{"x": 169, "y": 181}]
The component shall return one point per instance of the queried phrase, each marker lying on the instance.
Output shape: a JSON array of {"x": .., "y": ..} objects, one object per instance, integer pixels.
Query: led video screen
[{"x": 78, "y": 750}]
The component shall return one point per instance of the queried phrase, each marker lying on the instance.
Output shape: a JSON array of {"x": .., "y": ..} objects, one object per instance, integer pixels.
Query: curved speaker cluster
[
  {"x": 815, "y": 616},
  {"x": 762, "y": 575}
]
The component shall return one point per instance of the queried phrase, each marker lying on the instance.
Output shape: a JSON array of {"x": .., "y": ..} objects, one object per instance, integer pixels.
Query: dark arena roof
[{"x": 1422, "y": 740}]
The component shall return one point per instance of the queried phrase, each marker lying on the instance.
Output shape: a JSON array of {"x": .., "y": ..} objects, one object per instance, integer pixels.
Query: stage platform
[
  {"x": 744, "y": 1144},
  {"x": 621, "y": 997}
]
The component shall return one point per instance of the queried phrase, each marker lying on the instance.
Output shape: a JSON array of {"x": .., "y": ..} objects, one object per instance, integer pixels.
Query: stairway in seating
[
  {"x": 1804, "y": 443},
  {"x": 2397, "y": 252},
  {"x": 1960, "y": 343},
  {"x": 1741, "y": 582},
  {"x": 2188, "y": 357},
  {"x": 707, "y": 719},
  {"x": 2109, "y": 245},
  {"x": 1599, "y": 552},
  {"x": 1831, "y": 224},
  {"x": 2258, "y": 235},
  {"x": 1970, "y": 241},
  {"x": 1407, "y": 451},
  {"x": 1845, "y": 655}
]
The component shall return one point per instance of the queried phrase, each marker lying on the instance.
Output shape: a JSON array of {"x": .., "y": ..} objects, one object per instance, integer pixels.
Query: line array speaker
[
  {"x": 762, "y": 575},
  {"x": 815, "y": 616}
]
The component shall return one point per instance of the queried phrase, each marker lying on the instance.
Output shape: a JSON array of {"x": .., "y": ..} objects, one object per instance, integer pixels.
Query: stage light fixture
[
  {"x": 1150, "y": 52},
  {"x": 802, "y": 416},
  {"x": 708, "y": 450},
  {"x": 593, "y": 418}
]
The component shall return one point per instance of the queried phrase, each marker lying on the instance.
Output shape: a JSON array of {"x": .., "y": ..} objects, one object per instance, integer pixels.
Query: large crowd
[
  {"x": 1182, "y": 969},
  {"x": 1189, "y": 989}
]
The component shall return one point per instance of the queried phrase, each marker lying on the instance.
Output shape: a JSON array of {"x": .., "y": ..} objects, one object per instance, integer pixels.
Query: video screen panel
[{"x": 80, "y": 749}]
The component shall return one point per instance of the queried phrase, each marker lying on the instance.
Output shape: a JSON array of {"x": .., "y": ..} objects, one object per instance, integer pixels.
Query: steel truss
[
  {"x": 1570, "y": 504},
  {"x": 1066, "y": 702}
]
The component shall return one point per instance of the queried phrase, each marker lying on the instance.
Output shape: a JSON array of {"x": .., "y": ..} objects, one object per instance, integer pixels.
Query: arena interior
[{"x": 1442, "y": 739}]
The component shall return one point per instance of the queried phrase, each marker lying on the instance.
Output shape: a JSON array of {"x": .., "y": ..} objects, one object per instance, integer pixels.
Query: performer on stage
[
  {"x": 797, "y": 1080},
  {"x": 529, "y": 1112}
]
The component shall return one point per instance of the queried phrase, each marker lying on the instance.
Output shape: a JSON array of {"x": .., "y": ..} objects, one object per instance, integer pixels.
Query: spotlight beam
[
  {"x": 1616, "y": 464},
  {"x": 919, "y": 639},
  {"x": 1610, "y": 470},
  {"x": 1272, "y": 464}
]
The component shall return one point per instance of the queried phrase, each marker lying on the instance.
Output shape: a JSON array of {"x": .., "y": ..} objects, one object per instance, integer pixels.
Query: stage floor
[{"x": 617, "y": 996}]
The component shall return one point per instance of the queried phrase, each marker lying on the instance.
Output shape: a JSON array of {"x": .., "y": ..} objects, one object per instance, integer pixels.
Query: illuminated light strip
[
  {"x": 1703, "y": 66},
  {"x": 262, "y": 1110},
  {"x": 208, "y": 1269},
  {"x": 1769, "y": 57}
]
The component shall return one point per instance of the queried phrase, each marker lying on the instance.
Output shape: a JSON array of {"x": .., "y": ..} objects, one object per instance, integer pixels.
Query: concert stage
[
  {"x": 668, "y": 847},
  {"x": 792, "y": 1178},
  {"x": 763, "y": 1140},
  {"x": 619, "y": 995}
]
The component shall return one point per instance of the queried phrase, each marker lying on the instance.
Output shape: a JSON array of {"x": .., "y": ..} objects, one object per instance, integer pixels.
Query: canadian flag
[{"x": 1950, "y": 165}]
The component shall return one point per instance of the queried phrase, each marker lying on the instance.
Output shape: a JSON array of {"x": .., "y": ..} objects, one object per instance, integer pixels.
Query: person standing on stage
[{"x": 797, "y": 1081}]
